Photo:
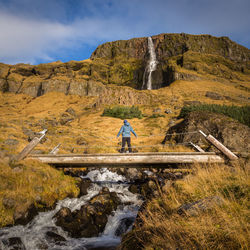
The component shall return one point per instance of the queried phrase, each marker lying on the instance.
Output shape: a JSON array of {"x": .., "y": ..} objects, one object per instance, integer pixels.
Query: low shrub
[
  {"x": 123, "y": 112},
  {"x": 241, "y": 114}
]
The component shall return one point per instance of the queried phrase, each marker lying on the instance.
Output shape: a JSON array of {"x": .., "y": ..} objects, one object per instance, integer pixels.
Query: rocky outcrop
[
  {"x": 228, "y": 131},
  {"x": 92, "y": 218},
  {"x": 123, "y": 63}
]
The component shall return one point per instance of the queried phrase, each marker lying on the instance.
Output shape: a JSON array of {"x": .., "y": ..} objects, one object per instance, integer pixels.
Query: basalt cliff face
[{"x": 123, "y": 63}]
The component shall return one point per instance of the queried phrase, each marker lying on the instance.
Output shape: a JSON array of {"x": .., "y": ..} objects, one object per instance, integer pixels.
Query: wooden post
[
  {"x": 30, "y": 146},
  {"x": 198, "y": 148},
  {"x": 220, "y": 146},
  {"x": 55, "y": 149}
]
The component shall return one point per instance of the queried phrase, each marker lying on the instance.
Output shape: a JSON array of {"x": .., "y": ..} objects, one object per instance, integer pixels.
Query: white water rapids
[
  {"x": 33, "y": 235},
  {"x": 151, "y": 66}
]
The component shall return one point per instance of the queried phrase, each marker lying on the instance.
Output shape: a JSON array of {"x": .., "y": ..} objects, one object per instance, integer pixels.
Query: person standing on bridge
[{"x": 125, "y": 130}]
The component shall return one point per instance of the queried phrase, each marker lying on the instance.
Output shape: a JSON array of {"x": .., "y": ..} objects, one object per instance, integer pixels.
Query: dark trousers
[{"x": 124, "y": 141}]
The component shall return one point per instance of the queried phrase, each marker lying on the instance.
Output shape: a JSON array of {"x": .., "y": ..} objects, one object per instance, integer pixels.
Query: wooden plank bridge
[
  {"x": 159, "y": 159},
  {"x": 127, "y": 159}
]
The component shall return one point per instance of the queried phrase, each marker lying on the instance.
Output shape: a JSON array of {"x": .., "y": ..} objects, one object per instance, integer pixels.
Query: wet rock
[
  {"x": 90, "y": 219},
  {"x": 214, "y": 96},
  {"x": 53, "y": 237},
  {"x": 124, "y": 226},
  {"x": 13, "y": 243},
  {"x": 202, "y": 205},
  {"x": 84, "y": 185},
  {"x": 24, "y": 214},
  {"x": 133, "y": 188}
]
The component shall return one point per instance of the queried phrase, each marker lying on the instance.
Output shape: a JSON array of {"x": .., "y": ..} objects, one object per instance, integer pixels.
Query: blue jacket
[{"x": 126, "y": 129}]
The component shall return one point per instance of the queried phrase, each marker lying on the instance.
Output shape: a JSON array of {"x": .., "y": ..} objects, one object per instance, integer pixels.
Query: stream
[{"x": 35, "y": 236}]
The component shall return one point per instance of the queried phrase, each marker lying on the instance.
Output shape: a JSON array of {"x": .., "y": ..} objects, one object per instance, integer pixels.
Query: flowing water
[
  {"x": 33, "y": 235},
  {"x": 151, "y": 66}
]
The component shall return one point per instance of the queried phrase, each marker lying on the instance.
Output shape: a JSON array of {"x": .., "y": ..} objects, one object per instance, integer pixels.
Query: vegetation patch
[
  {"x": 123, "y": 112},
  {"x": 31, "y": 182},
  {"x": 220, "y": 224},
  {"x": 241, "y": 114}
]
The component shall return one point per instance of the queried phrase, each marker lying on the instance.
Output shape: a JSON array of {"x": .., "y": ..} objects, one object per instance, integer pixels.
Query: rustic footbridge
[{"x": 158, "y": 159}]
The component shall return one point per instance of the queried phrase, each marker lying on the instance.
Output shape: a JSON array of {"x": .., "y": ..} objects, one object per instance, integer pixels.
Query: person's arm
[
  {"x": 131, "y": 129},
  {"x": 119, "y": 132}
]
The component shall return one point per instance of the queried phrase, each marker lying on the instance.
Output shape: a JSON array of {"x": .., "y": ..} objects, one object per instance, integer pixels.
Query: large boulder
[
  {"x": 231, "y": 133},
  {"x": 90, "y": 219}
]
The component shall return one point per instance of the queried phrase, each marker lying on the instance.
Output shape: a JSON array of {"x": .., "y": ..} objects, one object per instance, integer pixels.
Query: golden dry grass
[
  {"x": 21, "y": 111},
  {"x": 31, "y": 182},
  {"x": 224, "y": 226}
]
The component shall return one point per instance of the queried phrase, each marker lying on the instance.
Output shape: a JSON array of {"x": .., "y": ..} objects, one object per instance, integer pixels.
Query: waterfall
[{"x": 151, "y": 66}]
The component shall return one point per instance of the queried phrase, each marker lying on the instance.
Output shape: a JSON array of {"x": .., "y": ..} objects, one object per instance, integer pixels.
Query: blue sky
[{"x": 41, "y": 31}]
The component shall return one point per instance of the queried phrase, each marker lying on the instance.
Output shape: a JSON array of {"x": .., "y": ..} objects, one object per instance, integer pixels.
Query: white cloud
[{"x": 24, "y": 40}]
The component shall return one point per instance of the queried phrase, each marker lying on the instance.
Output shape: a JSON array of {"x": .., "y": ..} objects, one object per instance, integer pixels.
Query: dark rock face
[
  {"x": 84, "y": 185},
  {"x": 91, "y": 219},
  {"x": 231, "y": 133},
  {"x": 54, "y": 237},
  {"x": 25, "y": 214},
  {"x": 14, "y": 243},
  {"x": 124, "y": 225},
  {"x": 179, "y": 56}
]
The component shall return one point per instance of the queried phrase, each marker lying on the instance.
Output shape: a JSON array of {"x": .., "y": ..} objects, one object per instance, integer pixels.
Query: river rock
[
  {"x": 53, "y": 237},
  {"x": 13, "y": 243},
  {"x": 90, "y": 219},
  {"x": 84, "y": 185},
  {"x": 125, "y": 223},
  {"x": 193, "y": 209},
  {"x": 25, "y": 213}
]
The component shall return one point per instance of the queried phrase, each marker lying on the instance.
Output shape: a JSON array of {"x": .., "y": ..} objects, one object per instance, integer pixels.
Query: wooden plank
[
  {"x": 220, "y": 146},
  {"x": 127, "y": 159},
  {"x": 30, "y": 146},
  {"x": 198, "y": 148}
]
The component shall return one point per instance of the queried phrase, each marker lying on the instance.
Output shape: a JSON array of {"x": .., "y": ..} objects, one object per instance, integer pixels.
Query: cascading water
[
  {"x": 33, "y": 235},
  {"x": 151, "y": 66}
]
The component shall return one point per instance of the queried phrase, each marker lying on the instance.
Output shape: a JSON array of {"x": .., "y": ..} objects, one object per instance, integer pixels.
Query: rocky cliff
[{"x": 180, "y": 57}]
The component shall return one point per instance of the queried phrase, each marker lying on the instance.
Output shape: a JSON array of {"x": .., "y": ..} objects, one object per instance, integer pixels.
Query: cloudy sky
[{"x": 39, "y": 31}]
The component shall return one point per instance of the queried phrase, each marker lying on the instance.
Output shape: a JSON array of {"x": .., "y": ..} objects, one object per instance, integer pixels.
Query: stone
[
  {"x": 84, "y": 185},
  {"x": 214, "y": 96},
  {"x": 53, "y": 237},
  {"x": 233, "y": 134},
  {"x": 124, "y": 225},
  {"x": 81, "y": 141},
  {"x": 168, "y": 111},
  {"x": 71, "y": 111},
  {"x": 25, "y": 213},
  {"x": 203, "y": 205},
  {"x": 14, "y": 243},
  {"x": 90, "y": 219}
]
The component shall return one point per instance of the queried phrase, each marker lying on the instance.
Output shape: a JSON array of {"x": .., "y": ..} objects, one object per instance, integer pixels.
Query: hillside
[
  {"x": 69, "y": 99},
  {"x": 123, "y": 63}
]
